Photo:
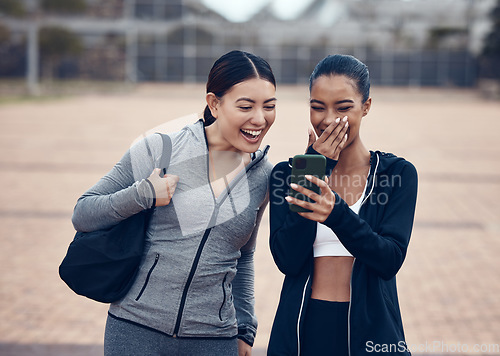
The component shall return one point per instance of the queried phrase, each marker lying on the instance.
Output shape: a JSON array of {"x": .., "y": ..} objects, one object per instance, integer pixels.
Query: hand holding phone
[{"x": 303, "y": 165}]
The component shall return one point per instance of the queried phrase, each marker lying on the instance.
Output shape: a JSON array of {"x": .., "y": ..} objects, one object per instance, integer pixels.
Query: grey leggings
[{"x": 122, "y": 338}]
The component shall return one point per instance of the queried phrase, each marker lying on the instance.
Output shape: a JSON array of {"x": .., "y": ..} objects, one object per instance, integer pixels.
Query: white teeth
[{"x": 251, "y": 132}]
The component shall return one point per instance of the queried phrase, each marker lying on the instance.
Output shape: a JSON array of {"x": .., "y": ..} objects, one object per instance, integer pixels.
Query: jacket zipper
[
  {"x": 148, "y": 276},
  {"x": 224, "y": 297},
  {"x": 350, "y": 282},
  {"x": 190, "y": 279},
  {"x": 349, "y": 314},
  {"x": 300, "y": 314},
  {"x": 350, "y": 286},
  {"x": 213, "y": 220}
]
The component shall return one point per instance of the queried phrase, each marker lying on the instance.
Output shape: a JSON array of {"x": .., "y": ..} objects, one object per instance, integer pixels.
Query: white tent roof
[{"x": 243, "y": 10}]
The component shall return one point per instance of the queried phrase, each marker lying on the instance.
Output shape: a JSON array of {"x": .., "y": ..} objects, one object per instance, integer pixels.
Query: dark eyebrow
[
  {"x": 246, "y": 99},
  {"x": 253, "y": 101},
  {"x": 314, "y": 101},
  {"x": 345, "y": 101}
]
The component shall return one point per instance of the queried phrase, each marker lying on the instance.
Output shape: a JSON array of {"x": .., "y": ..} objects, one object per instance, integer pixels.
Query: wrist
[
  {"x": 153, "y": 192},
  {"x": 330, "y": 163},
  {"x": 246, "y": 335},
  {"x": 246, "y": 341}
]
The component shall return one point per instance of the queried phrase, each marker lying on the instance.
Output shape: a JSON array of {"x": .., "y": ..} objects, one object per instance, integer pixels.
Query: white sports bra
[{"x": 327, "y": 243}]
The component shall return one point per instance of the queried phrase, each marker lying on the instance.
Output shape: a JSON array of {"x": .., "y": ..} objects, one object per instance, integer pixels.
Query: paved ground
[{"x": 53, "y": 150}]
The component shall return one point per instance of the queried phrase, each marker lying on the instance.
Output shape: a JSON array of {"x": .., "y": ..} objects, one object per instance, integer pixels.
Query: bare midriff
[
  {"x": 332, "y": 274},
  {"x": 332, "y": 278}
]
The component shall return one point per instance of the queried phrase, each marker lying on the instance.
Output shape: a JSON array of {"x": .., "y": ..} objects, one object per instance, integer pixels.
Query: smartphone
[{"x": 303, "y": 165}]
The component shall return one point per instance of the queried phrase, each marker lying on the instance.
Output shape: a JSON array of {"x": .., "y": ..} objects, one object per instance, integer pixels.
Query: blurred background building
[{"x": 404, "y": 42}]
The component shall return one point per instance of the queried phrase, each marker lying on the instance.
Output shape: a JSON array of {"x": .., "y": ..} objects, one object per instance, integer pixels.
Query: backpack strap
[
  {"x": 166, "y": 154},
  {"x": 164, "y": 162}
]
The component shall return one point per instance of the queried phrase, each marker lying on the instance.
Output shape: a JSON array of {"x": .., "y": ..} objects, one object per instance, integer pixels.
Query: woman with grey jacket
[{"x": 194, "y": 293}]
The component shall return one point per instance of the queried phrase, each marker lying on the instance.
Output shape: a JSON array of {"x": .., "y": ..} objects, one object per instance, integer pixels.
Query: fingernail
[
  {"x": 344, "y": 119},
  {"x": 346, "y": 137},
  {"x": 346, "y": 124},
  {"x": 308, "y": 176},
  {"x": 294, "y": 186},
  {"x": 288, "y": 199},
  {"x": 338, "y": 120}
]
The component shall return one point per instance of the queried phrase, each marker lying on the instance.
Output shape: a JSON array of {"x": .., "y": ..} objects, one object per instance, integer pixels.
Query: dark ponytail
[
  {"x": 233, "y": 68},
  {"x": 207, "y": 117},
  {"x": 349, "y": 66}
]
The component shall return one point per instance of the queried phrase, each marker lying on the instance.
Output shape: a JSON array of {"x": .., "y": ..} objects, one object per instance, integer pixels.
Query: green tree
[
  {"x": 13, "y": 8},
  {"x": 55, "y": 44},
  {"x": 490, "y": 56},
  {"x": 64, "y": 6}
]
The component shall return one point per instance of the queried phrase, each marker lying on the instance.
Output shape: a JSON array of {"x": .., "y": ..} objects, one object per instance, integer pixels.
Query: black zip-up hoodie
[{"x": 377, "y": 238}]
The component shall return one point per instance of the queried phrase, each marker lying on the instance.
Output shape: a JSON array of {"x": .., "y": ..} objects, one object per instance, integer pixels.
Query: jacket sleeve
[
  {"x": 291, "y": 235},
  {"x": 243, "y": 285},
  {"x": 383, "y": 250},
  {"x": 123, "y": 191}
]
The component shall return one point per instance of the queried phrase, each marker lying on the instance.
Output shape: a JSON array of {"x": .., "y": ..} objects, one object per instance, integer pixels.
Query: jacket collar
[
  {"x": 386, "y": 160},
  {"x": 380, "y": 163}
]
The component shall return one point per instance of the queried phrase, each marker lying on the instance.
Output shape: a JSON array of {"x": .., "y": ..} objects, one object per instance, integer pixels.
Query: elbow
[
  {"x": 77, "y": 218},
  {"x": 390, "y": 270},
  {"x": 285, "y": 269},
  {"x": 76, "y": 221},
  {"x": 288, "y": 258},
  {"x": 287, "y": 266},
  {"x": 288, "y": 269},
  {"x": 388, "y": 274}
]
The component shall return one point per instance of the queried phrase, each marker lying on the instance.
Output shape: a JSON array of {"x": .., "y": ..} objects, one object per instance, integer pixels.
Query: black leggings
[{"x": 325, "y": 329}]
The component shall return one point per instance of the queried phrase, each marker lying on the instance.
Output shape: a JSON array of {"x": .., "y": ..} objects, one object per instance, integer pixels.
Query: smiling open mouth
[{"x": 251, "y": 134}]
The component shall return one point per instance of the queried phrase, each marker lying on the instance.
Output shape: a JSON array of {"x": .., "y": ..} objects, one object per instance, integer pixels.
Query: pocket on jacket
[
  {"x": 226, "y": 299},
  {"x": 148, "y": 276},
  {"x": 395, "y": 314}
]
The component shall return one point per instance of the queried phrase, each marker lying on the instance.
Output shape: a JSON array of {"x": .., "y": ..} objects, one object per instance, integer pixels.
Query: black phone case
[{"x": 315, "y": 166}]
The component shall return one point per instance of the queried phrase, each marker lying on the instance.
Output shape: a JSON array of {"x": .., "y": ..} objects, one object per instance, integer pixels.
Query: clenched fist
[{"x": 164, "y": 186}]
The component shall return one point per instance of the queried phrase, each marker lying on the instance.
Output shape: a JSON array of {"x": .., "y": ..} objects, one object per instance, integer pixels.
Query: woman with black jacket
[{"x": 340, "y": 260}]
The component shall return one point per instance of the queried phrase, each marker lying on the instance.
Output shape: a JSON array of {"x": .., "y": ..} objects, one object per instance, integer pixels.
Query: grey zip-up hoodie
[{"x": 197, "y": 277}]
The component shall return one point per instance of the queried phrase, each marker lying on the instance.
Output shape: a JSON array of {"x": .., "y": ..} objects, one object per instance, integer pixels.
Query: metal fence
[
  {"x": 157, "y": 58},
  {"x": 159, "y": 61},
  {"x": 178, "y": 41}
]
